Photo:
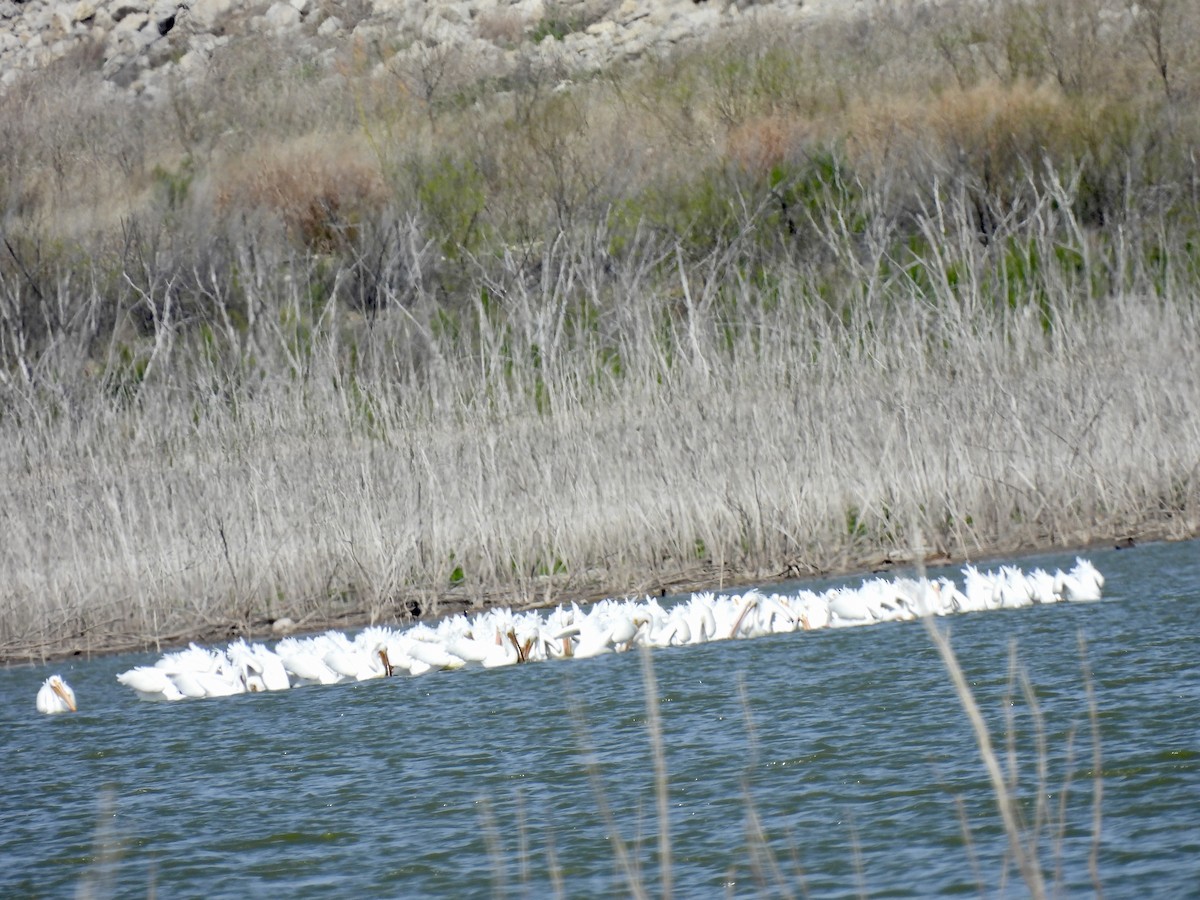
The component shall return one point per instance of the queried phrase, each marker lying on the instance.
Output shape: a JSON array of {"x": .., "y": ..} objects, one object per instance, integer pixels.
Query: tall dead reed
[
  {"x": 1034, "y": 836},
  {"x": 561, "y": 361},
  {"x": 574, "y": 432}
]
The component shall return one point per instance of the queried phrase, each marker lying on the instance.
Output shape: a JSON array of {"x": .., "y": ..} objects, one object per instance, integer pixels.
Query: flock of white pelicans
[{"x": 502, "y": 637}]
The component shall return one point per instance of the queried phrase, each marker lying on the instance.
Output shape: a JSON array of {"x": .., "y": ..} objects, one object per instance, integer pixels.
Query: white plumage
[
  {"x": 503, "y": 637},
  {"x": 55, "y": 696}
]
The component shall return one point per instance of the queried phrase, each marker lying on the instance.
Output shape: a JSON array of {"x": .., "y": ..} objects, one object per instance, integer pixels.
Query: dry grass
[
  {"x": 312, "y": 462},
  {"x": 747, "y": 312},
  {"x": 505, "y": 27},
  {"x": 1034, "y": 830},
  {"x": 320, "y": 190}
]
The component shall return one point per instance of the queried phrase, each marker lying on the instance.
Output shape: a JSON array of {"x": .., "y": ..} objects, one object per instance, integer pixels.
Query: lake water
[{"x": 848, "y": 747}]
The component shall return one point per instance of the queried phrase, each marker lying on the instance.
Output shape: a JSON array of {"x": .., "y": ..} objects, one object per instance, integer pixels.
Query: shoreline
[
  {"x": 341, "y": 341},
  {"x": 863, "y": 565}
]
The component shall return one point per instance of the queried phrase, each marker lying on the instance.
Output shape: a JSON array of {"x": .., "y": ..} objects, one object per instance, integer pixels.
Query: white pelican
[
  {"x": 949, "y": 599},
  {"x": 1015, "y": 590},
  {"x": 261, "y": 669},
  {"x": 925, "y": 597},
  {"x": 558, "y": 645},
  {"x": 1082, "y": 583},
  {"x": 198, "y": 673},
  {"x": 55, "y": 696},
  {"x": 777, "y": 615},
  {"x": 504, "y": 652},
  {"x": 814, "y": 611},
  {"x": 503, "y": 637},
  {"x": 700, "y": 618},
  {"x": 627, "y": 623},
  {"x": 724, "y": 610},
  {"x": 680, "y": 634},
  {"x": 531, "y": 639},
  {"x": 190, "y": 686},
  {"x": 395, "y": 654},
  {"x": 493, "y": 635},
  {"x": 745, "y": 617},
  {"x": 304, "y": 659},
  {"x": 357, "y": 660},
  {"x": 980, "y": 591},
  {"x": 592, "y": 638},
  {"x": 663, "y": 628},
  {"x": 470, "y": 649},
  {"x": 433, "y": 654},
  {"x": 1042, "y": 587},
  {"x": 607, "y": 627},
  {"x": 885, "y": 602},
  {"x": 150, "y": 683},
  {"x": 848, "y": 608}
]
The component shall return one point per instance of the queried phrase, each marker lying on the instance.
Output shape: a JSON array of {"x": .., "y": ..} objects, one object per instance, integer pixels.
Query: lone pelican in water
[{"x": 55, "y": 696}]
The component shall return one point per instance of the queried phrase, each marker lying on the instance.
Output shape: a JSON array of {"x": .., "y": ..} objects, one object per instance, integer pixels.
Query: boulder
[
  {"x": 330, "y": 27},
  {"x": 84, "y": 12},
  {"x": 123, "y": 9},
  {"x": 282, "y": 16}
]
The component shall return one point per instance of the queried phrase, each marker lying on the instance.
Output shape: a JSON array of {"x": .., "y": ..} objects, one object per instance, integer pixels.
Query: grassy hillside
[{"x": 390, "y": 335}]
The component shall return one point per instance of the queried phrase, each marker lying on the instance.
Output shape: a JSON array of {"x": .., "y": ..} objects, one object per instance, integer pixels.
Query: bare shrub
[
  {"x": 502, "y": 27},
  {"x": 374, "y": 341},
  {"x": 995, "y": 131},
  {"x": 321, "y": 195},
  {"x": 762, "y": 144}
]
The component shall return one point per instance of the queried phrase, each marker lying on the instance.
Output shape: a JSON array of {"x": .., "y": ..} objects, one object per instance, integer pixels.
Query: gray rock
[
  {"x": 282, "y": 16},
  {"x": 140, "y": 33},
  {"x": 371, "y": 34},
  {"x": 84, "y": 11},
  {"x": 204, "y": 15},
  {"x": 123, "y": 9},
  {"x": 330, "y": 27},
  {"x": 61, "y": 23}
]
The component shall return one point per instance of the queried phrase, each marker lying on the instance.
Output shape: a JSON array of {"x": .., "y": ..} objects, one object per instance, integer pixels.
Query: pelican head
[{"x": 55, "y": 696}]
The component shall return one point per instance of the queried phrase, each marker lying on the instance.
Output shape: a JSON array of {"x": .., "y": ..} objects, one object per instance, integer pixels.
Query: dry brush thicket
[{"x": 391, "y": 339}]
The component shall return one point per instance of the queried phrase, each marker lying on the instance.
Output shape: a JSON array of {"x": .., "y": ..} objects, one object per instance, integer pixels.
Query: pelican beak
[
  {"x": 387, "y": 665},
  {"x": 741, "y": 617},
  {"x": 66, "y": 698},
  {"x": 512, "y": 636}
]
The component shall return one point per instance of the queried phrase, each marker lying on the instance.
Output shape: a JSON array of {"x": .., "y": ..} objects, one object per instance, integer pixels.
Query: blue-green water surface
[{"x": 831, "y": 763}]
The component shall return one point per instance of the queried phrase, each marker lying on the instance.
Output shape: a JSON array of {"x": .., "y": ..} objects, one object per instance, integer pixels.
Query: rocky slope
[{"x": 139, "y": 45}]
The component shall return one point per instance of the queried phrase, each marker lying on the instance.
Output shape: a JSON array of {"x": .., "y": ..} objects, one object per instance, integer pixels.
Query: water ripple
[{"x": 852, "y": 752}]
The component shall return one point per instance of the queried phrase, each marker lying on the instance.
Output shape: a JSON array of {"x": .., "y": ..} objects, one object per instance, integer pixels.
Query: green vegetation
[{"x": 758, "y": 307}]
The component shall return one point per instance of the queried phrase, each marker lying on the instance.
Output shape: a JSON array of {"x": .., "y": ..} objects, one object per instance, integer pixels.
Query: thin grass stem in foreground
[{"x": 1026, "y": 864}]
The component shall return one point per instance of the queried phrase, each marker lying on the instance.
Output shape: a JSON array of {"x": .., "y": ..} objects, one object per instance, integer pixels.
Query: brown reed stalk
[{"x": 1023, "y": 853}]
